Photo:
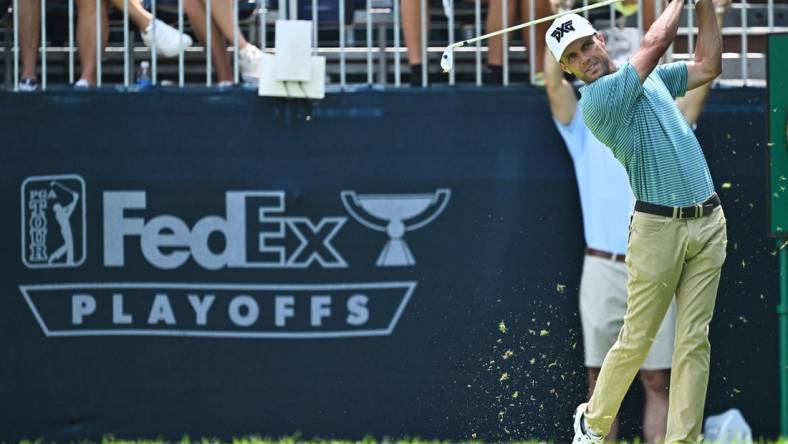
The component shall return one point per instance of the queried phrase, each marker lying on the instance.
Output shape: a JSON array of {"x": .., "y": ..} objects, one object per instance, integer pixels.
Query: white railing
[{"x": 365, "y": 59}]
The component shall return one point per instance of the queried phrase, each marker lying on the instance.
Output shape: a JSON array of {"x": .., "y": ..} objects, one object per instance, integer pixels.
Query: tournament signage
[
  {"x": 255, "y": 231},
  {"x": 385, "y": 263}
]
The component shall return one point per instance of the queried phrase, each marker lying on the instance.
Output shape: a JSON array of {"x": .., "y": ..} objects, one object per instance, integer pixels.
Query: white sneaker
[
  {"x": 28, "y": 84},
  {"x": 250, "y": 58},
  {"x": 582, "y": 434},
  {"x": 81, "y": 85},
  {"x": 169, "y": 42}
]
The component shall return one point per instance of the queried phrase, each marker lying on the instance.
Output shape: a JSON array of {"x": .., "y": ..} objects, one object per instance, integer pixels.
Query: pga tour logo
[
  {"x": 256, "y": 233},
  {"x": 53, "y": 221}
]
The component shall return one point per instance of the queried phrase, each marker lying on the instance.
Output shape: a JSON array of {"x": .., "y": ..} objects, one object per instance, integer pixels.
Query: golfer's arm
[
  {"x": 74, "y": 199},
  {"x": 708, "y": 54},
  {"x": 560, "y": 93},
  {"x": 658, "y": 39},
  {"x": 692, "y": 103}
]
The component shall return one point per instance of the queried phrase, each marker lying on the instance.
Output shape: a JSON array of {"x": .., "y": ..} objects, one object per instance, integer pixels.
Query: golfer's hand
[{"x": 721, "y": 6}]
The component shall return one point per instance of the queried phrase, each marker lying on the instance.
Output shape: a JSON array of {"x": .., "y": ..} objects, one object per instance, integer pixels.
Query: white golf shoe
[
  {"x": 169, "y": 41},
  {"x": 582, "y": 434},
  {"x": 250, "y": 60}
]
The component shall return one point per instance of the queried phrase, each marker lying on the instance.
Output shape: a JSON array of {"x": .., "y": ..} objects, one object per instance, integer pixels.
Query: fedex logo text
[{"x": 255, "y": 237}]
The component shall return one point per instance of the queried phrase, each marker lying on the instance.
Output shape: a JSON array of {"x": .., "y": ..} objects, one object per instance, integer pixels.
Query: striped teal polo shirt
[{"x": 648, "y": 134}]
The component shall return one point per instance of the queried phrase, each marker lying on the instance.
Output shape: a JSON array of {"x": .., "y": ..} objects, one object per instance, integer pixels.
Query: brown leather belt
[{"x": 605, "y": 254}]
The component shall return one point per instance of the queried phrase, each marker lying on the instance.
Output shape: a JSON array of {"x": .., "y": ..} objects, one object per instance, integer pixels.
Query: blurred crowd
[
  {"x": 169, "y": 41},
  {"x": 155, "y": 33}
]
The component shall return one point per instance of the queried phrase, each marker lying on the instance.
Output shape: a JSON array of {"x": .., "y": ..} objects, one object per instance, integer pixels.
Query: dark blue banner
[{"x": 401, "y": 263}]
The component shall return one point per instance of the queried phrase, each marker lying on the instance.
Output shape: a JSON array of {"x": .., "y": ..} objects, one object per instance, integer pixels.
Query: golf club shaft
[
  {"x": 64, "y": 187},
  {"x": 534, "y": 22}
]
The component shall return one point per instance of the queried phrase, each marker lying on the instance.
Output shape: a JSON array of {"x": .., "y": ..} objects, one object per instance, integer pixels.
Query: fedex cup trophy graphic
[{"x": 395, "y": 214}]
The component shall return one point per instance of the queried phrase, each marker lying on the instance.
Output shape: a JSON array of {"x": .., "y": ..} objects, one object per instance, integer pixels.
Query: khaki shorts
[{"x": 603, "y": 302}]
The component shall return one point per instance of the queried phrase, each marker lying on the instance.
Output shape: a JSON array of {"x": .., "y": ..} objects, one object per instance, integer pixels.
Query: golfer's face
[{"x": 586, "y": 58}]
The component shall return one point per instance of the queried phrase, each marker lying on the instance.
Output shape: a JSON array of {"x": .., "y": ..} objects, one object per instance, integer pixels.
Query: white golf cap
[{"x": 565, "y": 30}]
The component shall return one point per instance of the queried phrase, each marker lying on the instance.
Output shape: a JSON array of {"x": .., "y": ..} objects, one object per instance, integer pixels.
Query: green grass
[{"x": 298, "y": 439}]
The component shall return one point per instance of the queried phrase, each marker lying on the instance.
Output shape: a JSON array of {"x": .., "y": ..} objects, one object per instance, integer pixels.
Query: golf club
[{"x": 447, "y": 59}]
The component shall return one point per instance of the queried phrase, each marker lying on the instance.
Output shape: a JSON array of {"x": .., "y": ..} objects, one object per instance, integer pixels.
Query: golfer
[{"x": 677, "y": 235}]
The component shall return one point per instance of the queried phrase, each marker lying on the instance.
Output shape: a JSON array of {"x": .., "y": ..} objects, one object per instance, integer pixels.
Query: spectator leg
[
  {"x": 137, "y": 14},
  {"x": 411, "y": 27},
  {"x": 655, "y": 411},
  {"x": 493, "y": 23},
  {"x": 29, "y": 35},
  {"x": 542, "y": 9},
  {"x": 195, "y": 11},
  {"x": 648, "y": 14},
  {"x": 222, "y": 15},
  {"x": 86, "y": 37}
]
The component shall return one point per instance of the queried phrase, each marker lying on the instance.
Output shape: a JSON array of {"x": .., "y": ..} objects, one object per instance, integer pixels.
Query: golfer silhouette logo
[
  {"x": 63, "y": 218},
  {"x": 53, "y": 228}
]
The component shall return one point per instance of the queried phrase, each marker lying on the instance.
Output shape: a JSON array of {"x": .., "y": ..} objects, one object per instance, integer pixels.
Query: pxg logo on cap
[
  {"x": 562, "y": 29},
  {"x": 53, "y": 221}
]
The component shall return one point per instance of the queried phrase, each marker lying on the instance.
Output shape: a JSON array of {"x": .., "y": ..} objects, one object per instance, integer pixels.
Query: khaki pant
[
  {"x": 666, "y": 256},
  {"x": 603, "y": 304}
]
